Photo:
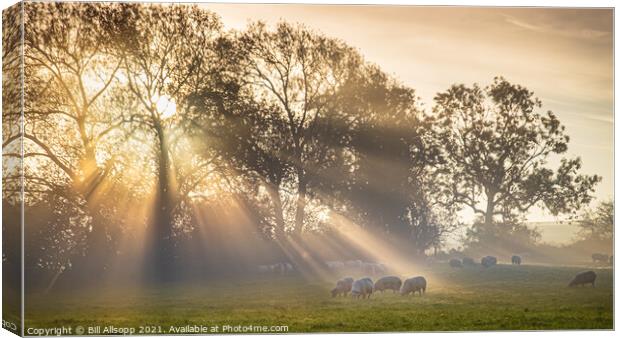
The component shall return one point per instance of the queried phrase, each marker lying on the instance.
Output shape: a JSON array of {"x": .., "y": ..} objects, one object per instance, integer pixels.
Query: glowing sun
[{"x": 166, "y": 107}]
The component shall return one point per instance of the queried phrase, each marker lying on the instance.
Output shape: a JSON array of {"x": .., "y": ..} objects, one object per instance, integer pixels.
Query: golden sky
[{"x": 564, "y": 55}]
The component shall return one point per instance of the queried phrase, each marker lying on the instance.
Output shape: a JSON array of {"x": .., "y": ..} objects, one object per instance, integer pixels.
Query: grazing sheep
[
  {"x": 368, "y": 268},
  {"x": 362, "y": 288},
  {"x": 488, "y": 261},
  {"x": 413, "y": 285},
  {"x": 388, "y": 283},
  {"x": 468, "y": 261},
  {"x": 373, "y": 268},
  {"x": 583, "y": 278},
  {"x": 598, "y": 257},
  {"x": 334, "y": 265},
  {"x": 516, "y": 260},
  {"x": 343, "y": 287},
  {"x": 263, "y": 268},
  {"x": 353, "y": 264},
  {"x": 456, "y": 263},
  {"x": 381, "y": 268},
  {"x": 281, "y": 268},
  {"x": 368, "y": 279}
]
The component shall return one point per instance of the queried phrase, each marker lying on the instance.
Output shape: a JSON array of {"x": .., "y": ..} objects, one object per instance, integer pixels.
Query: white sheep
[
  {"x": 413, "y": 285},
  {"x": 334, "y": 265},
  {"x": 388, "y": 283},
  {"x": 288, "y": 267},
  {"x": 343, "y": 287},
  {"x": 373, "y": 268},
  {"x": 263, "y": 268},
  {"x": 362, "y": 288},
  {"x": 281, "y": 268},
  {"x": 353, "y": 264}
]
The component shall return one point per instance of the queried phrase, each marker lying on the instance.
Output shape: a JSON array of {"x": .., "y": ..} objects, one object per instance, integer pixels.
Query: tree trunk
[
  {"x": 52, "y": 282},
  {"x": 162, "y": 253},
  {"x": 301, "y": 205},
  {"x": 488, "y": 215},
  {"x": 90, "y": 267},
  {"x": 274, "y": 195}
]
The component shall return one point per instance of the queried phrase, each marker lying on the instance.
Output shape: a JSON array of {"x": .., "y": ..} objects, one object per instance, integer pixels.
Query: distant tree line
[{"x": 288, "y": 123}]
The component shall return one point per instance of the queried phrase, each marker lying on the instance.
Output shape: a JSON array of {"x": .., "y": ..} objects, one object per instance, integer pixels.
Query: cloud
[{"x": 549, "y": 28}]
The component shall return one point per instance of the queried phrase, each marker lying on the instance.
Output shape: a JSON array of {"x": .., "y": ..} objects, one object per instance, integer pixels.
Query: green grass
[{"x": 500, "y": 298}]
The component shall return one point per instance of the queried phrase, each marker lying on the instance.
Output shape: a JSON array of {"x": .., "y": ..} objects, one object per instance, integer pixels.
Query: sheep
[
  {"x": 263, "y": 268},
  {"x": 388, "y": 283},
  {"x": 343, "y": 286},
  {"x": 362, "y": 288},
  {"x": 488, "y": 261},
  {"x": 334, "y": 265},
  {"x": 373, "y": 268},
  {"x": 281, "y": 268},
  {"x": 468, "y": 261},
  {"x": 348, "y": 281},
  {"x": 455, "y": 263},
  {"x": 353, "y": 264},
  {"x": 277, "y": 268},
  {"x": 413, "y": 285},
  {"x": 598, "y": 257},
  {"x": 381, "y": 268},
  {"x": 583, "y": 278},
  {"x": 288, "y": 267},
  {"x": 516, "y": 260},
  {"x": 368, "y": 268}
]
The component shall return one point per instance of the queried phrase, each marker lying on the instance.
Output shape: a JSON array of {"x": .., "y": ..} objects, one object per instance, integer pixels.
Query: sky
[{"x": 564, "y": 55}]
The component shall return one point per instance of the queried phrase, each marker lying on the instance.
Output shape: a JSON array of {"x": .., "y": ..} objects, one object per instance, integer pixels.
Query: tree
[
  {"x": 395, "y": 157},
  {"x": 298, "y": 73},
  {"x": 167, "y": 57},
  {"x": 598, "y": 224},
  {"x": 497, "y": 146},
  {"x": 240, "y": 133},
  {"x": 11, "y": 166},
  {"x": 70, "y": 66},
  {"x": 500, "y": 238}
]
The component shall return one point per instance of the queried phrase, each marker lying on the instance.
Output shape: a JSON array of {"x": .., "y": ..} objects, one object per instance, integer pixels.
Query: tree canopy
[
  {"x": 497, "y": 147},
  {"x": 152, "y": 130}
]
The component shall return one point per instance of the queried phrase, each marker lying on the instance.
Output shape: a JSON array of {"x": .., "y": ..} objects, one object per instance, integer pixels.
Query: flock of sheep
[
  {"x": 582, "y": 278},
  {"x": 279, "y": 268},
  {"x": 602, "y": 258},
  {"x": 486, "y": 261},
  {"x": 365, "y": 267},
  {"x": 364, "y": 287}
]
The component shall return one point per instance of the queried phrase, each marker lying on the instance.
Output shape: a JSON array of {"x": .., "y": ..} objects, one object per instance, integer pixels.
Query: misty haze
[{"x": 307, "y": 168}]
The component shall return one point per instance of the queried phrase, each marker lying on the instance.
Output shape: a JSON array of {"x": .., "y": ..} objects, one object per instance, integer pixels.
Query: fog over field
[{"x": 452, "y": 164}]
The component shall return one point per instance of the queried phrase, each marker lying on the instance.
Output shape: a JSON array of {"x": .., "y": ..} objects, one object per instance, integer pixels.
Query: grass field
[{"x": 499, "y": 298}]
